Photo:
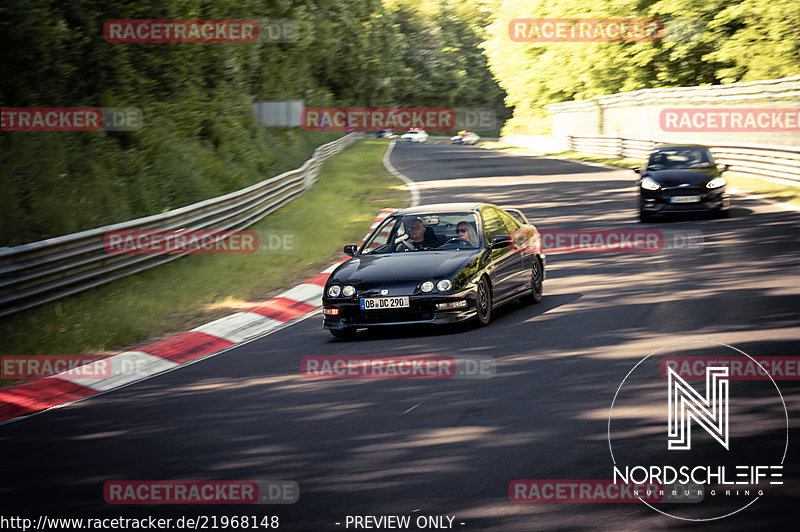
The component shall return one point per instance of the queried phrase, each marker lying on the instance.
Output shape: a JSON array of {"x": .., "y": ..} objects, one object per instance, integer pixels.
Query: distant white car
[{"x": 415, "y": 135}]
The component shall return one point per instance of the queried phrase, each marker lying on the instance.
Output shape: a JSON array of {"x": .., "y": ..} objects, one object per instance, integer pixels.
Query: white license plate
[
  {"x": 377, "y": 303},
  {"x": 684, "y": 199}
]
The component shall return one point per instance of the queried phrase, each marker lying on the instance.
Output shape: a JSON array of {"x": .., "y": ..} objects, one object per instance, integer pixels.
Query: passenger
[{"x": 465, "y": 231}]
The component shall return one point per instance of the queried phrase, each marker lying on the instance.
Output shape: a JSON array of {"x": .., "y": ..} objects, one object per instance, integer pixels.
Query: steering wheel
[{"x": 459, "y": 241}]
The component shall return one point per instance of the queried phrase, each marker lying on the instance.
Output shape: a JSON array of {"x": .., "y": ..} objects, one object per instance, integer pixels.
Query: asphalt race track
[{"x": 450, "y": 447}]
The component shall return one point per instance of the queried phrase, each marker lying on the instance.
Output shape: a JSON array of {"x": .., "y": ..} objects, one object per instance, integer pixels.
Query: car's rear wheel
[
  {"x": 537, "y": 280},
  {"x": 345, "y": 334},
  {"x": 483, "y": 303}
]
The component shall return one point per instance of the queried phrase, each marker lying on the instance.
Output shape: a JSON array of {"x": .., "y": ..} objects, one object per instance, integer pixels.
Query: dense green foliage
[
  {"x": 200, "y": 138},
  {"x": 740, "y": 40}
]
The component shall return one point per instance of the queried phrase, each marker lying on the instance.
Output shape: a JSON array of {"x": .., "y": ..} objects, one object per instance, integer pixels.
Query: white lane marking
[
  {"x": 412, "y": 186},
  {"x": 412, "y": 408}
]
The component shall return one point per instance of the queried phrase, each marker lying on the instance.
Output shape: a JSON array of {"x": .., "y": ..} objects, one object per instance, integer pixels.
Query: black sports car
[
  {"x": 681, "y": 179},
  {"x": 435, "y": 264}
]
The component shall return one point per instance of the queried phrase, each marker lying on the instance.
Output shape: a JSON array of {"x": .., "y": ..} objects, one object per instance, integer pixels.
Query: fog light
[
  {"x": 452, "y": 304},
  {"x": 330, "y": 311}
]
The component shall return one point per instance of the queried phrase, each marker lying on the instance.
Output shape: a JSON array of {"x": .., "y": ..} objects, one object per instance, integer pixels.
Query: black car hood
[
  {"x": 676, "y": 177},
  {"x": 402, "y": 267}
]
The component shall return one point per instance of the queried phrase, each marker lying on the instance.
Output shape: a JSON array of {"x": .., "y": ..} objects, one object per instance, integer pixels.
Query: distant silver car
[
  {"x": 467, "y": 137},
  {"x": 415, "y": 135}
]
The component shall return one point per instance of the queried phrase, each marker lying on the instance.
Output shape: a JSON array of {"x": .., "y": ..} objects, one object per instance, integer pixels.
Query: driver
[
  {"x": 465, "y": 231},
  {"x": 417, "y": 237}
]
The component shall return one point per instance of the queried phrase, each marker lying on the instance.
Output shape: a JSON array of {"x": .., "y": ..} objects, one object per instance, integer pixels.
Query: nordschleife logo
[{"x": 725, "y": 444}]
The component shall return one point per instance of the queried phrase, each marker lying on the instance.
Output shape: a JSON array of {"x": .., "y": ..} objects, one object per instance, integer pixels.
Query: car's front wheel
[
  {"x": 645, "y": 217},
  {"x": 344, "y": 334},
  {"x": 483, "y": 303}
]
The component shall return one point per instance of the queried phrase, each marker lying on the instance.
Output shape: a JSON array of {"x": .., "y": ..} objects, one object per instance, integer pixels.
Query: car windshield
[
  {"x": 680, "y": 157},
  {"x": 424, "y": 232}
]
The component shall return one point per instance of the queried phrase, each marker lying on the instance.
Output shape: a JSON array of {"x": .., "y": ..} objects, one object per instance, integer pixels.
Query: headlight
[
  {"x": 650, "y": 184},
  {"x": 444, "y": 285},
  {"x": 426, "y": 287},
  {"x": 334, "y": 291},
  {"x": 348, "y": 291},
  {"x": 716, "y": 182}
]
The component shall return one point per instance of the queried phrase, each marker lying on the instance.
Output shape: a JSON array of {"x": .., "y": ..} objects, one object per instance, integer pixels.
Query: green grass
[
  {"x": 351, "y": 188},
  {"x": 612, "y": 161},
  {"x": 768, "y": 189},
  {"x": 779, "y": 192}
]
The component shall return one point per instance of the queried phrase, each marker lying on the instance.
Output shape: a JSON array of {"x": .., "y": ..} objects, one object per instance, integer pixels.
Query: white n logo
[{"x": 685, "y": 404}]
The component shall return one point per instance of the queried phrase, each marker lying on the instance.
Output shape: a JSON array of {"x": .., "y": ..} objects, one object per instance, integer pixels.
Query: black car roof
[{"x": 441, "y": 208}]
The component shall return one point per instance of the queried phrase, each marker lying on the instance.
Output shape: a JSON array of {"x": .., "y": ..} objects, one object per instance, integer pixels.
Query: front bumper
[
  {"x": 660, "y": 201},
  {"x": 422, "y": 310}
]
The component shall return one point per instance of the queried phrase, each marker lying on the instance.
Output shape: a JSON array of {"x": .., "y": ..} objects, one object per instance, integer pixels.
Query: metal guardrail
[
  {"x": 48, "y": 270},
  {"x": 759, "y": 160}
]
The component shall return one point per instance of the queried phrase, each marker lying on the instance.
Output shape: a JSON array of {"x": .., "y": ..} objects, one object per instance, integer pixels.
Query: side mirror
[
  {"x": 638, "y": 170},
  {"x": 725, "y": 168},
  {"x": 350, "y": 249},
  {"x": 500, "y": 241}
]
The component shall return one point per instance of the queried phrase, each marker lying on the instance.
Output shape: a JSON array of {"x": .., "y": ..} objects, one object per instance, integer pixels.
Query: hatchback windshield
[{"x": 680, "y": 157}]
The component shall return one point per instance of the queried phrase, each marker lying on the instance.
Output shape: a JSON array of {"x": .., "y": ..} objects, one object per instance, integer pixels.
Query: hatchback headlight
[
  {"x": 716, "y": 182},
  {"x": 444, "y": 285},
  {"x": 426, "y": 287},
  {"x": 650, "y": 184},
  {"x": 334, "y": 290},
  {"x": 348, "y": 291}
]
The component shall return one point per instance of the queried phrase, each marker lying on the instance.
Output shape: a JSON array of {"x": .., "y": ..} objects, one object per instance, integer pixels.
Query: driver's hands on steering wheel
[{"x": 457, "y": 239}]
